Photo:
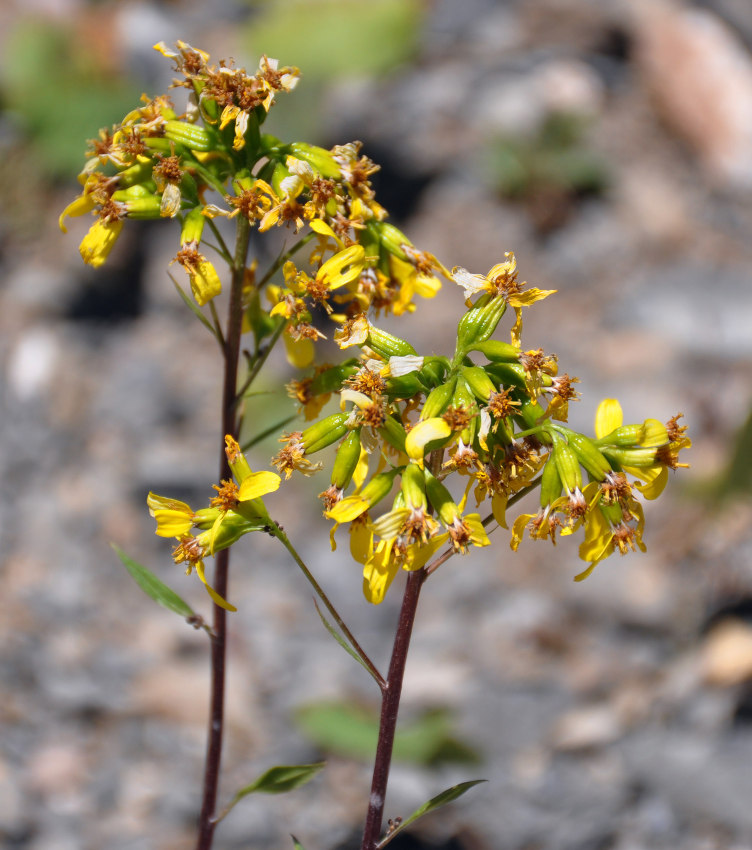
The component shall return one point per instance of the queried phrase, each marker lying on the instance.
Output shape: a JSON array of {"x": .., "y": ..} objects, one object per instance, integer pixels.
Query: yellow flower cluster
[
  {"x": 493, "y": 414},
  {"x": 158, "y": 163},
  {"x": 235, "y": 511}
]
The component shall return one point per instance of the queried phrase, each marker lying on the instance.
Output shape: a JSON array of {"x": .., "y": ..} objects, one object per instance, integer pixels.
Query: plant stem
[
  {"x": 369, "y": 665},
  {"x": 389, "y": 710},
  {"x": 230, "y": 425}
]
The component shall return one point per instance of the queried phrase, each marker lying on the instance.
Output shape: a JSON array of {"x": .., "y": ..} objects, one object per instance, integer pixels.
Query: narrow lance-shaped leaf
[
  {"x": 276, "y": 780},
  {"x": 154, "y": 587},
  {"x": 434, "y": 803},
  {"x": 341, "y": 641},
  {"x": 296, "y": 844},
  {"x": 194, "y": 308}
]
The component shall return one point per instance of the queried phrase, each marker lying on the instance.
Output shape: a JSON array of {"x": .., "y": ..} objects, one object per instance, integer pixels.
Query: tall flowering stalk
[{"x": 432, "y": 448}]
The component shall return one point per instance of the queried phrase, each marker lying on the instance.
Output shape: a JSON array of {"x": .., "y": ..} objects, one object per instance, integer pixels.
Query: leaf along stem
[{"x": 277, "y": 531}]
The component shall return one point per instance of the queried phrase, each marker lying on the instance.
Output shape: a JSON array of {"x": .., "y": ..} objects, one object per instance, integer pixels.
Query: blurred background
[{"x": 609, "y": 144}]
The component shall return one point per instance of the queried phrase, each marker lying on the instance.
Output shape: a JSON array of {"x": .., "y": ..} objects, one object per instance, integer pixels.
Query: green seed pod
[
  {"x": 497, "y": 351},
  {"x": 414, "y": 486},
  {"x": 623, "y": 437},
  {"x": 479, "y": 322},
  {"x": 529, "y": 413},
  {"x": 194, "y": 136},
  {"x": 147, "y": 207},
  {"x": 193, "y": 226},
  {"x": 346, "y": 460},
  {"x": 378, "y": 487},
  {"x": 438, "y": 400},
  {"x": 393, "y": 431},
  {"x": 386, "y": 345},
  {"x": 325, "y": 432},
  {"x": 441, "y": 499},
  {"x": 465, "y": 398},
  {"x": 478, "y": 381},
  {"x": 318, "y": 158},
  {"x": 550, "y": 483},
  {"x": 591, "y": 458},
  {"x": 640, "y": 457},
  {"x": 567, "y": 465},
  {"x": 131, "y": 193}
]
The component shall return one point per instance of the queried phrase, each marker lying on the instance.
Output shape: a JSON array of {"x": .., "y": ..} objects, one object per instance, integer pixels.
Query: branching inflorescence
[{"x": 491, "y": 414}]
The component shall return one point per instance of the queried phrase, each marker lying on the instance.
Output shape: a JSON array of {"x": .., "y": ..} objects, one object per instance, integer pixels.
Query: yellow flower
[
  {"x": 502, "y": 281},
  {"x": 99, "y": 241},
  {"x": 205, "y": 282},
  {"x": 425, "y": 432}
]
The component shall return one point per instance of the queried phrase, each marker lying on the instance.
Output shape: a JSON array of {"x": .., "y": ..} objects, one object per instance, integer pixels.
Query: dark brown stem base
[
  {"x": 390, "y": 701},
  {"x": 230, "y": 425}
]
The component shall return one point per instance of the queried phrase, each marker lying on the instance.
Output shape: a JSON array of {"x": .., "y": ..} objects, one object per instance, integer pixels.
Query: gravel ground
[{"x": 611, "y": 714}]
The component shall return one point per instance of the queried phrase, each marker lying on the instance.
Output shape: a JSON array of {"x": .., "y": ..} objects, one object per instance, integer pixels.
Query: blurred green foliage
[
  {"x": 350, "y": 730},
  {"x": 333, "y": 38},
  {"x": 59, "y": 93},
  {"x": 557, "y": 158},
  {"x": 330, "y": 40}
]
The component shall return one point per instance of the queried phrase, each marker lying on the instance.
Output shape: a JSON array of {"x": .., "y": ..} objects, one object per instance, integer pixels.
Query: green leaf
[
  {"x": 434, "y": 803},
  {"x": 276, "y": 780},
  {"x": 341, "y": 640},
  {"x": 267, "y": 432},
  {"x": 194, "y": 308},
  {"x": 155, "y": 588},
  {"x": 296, "y": 844},
  {"x": 350, "y": 730}
]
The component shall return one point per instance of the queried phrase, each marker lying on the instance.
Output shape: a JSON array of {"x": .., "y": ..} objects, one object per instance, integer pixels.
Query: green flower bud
[
  {"x": 193, "y": 226},
  {"x": 438, "y": 399},
  {"x": 393, "y": 431},
  {"x": 139, "y": 172},
  {"x": 386, "y": 345},
  {"x": 281, "y": 172},
  {"x": 478, "y": 381},
  {"x": 641, "y": 457},
  {"x": 325, "y": 432},
  {"x": 478, "y": 323},
  {"x": 318, "y": 158},
  {"x": 530, "y": 413},
  {"x": 441, "y": 499},
  {"x": 497, "y": 351},
  {"x": 194, "y": 136},
  {"x": 378, "y": 487},
  {"x": 591, "y": 458},
  {"x": 465, "y": 398},
  {"x": 392, "y": 238},
  {"x": 550, "y": 483},
  {"x": 623, "y": 437},
  {"x": 507, "y": 374},
  {"x": 414, "y": 486},
  {"x": 146, "y": 207},
  {"x": 346, "y": 460},
  {"x": 567, "y": 465}
]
